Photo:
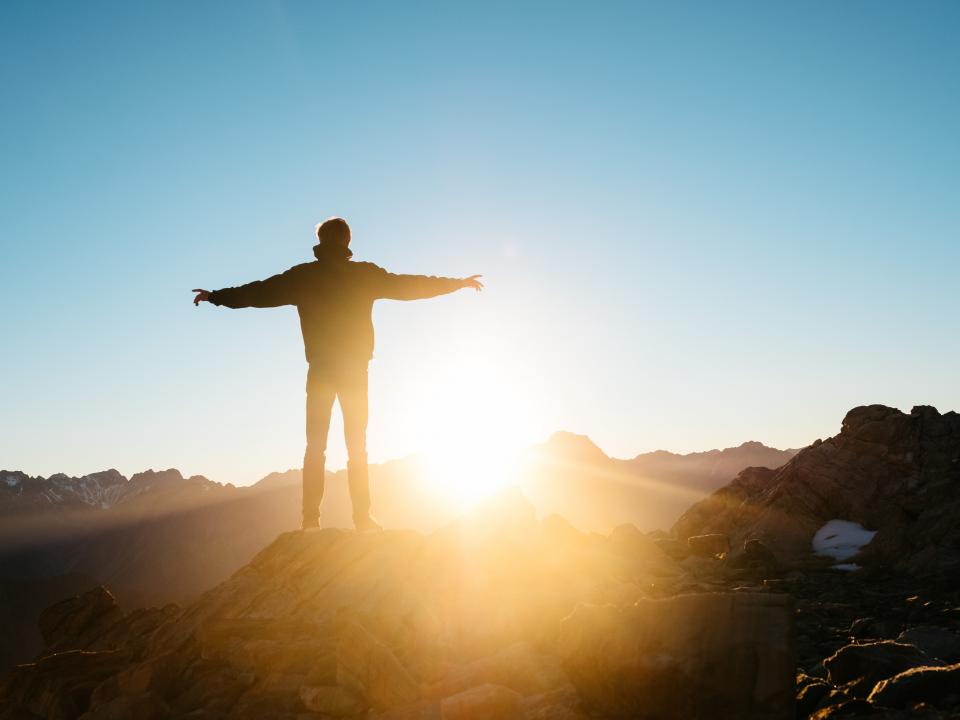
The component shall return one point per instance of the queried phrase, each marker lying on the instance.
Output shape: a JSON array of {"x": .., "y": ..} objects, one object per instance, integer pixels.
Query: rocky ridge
[{"x": 894, "y": 473}]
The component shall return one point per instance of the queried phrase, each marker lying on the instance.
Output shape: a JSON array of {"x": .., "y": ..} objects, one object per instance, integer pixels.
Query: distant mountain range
[
  {"x": 159, "y": 537},
  {"x": 570, "y": 476}
]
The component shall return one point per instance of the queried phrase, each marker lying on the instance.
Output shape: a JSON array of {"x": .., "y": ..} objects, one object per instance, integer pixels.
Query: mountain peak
[
  {"x": 571, "y": 446},
  {"x": 149, "y": 477}
]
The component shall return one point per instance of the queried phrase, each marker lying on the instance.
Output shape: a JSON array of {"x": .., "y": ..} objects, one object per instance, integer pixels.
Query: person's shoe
[
  {"x": 310, "y": 524},
  {"x": 366, "y": 524}
]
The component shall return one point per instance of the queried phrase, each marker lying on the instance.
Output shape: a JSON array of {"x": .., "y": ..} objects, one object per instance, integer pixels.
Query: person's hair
[{"x": 334, "y": 230}]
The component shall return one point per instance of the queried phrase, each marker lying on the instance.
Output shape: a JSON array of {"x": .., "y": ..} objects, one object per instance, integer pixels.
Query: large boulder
[
  {"x": 59, "y": 686},
  {"x": 709, "y": 545},
  {"x": 723, "y": 655},
  {"x": 861, "y": 666},
  {"x": 937, "y": 642},
  {"x": 937, "y": 686},
  {"x": 75, "y": 622}
]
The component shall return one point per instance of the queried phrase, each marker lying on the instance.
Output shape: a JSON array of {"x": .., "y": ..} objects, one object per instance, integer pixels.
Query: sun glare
[{"x": 476, "y": 420}]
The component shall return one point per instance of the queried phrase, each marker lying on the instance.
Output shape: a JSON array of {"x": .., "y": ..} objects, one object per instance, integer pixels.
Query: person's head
[{"x": 334, "y": 231}]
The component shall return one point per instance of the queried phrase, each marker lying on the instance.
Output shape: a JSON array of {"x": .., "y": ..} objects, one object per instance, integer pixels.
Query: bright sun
[{"x": 476, "y": 420}]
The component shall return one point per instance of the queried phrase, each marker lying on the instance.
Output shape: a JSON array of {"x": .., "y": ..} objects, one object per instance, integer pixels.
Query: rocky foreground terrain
[
  {"x": 495, "y": 616},
  {"x": 160, "y": 537},
  {"x": 499, "y": 615}
]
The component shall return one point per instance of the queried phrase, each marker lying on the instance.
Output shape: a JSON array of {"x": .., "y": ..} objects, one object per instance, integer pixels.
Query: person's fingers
[{"x": 198, "y": 290}]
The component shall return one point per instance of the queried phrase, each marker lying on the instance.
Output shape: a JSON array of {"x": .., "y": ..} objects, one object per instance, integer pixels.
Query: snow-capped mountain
[{"x": 98, "y": 491}]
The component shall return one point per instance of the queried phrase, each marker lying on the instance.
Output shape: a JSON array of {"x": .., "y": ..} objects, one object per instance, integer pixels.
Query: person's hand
[
  {"x": 202, "y": 296},
  {"x": 472, "y": 282}
]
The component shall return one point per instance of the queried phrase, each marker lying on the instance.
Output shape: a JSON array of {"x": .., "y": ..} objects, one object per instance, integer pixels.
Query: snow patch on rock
[{"x": 841, "y": 540}]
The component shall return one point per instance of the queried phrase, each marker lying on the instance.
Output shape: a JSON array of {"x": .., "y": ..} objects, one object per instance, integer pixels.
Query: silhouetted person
[{"x": 334, "y": 297}]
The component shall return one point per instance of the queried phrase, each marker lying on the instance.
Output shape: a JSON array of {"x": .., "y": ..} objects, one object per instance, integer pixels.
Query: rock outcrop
[
  {"x": 891, "y": 472},
  {"x": 496, "y": 616}
]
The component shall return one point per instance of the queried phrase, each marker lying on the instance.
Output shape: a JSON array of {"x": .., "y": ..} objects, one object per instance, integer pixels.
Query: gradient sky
[{"x": 698, "y": 223}]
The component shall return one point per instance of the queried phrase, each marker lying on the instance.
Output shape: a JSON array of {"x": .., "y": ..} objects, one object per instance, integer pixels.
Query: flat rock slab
[{"x": 717, "y": 655}]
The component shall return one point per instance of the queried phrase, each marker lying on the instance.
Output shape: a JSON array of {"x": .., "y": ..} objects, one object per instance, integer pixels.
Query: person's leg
[
  {"x": 352, "y": 391},
  {"x": 321, "y": 392}
]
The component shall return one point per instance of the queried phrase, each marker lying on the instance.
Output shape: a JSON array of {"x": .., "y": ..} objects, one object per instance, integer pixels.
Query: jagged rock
[
  {"x": 937, "y": 686},
  {"x": 723, "y": 511},
  {"x": 332, "y": 700},
  {"x": 811, "y": 694},
  {"x": 936, "y": 642},
  {"x": 846, "y": 709},
  {"x": 485, "y": 702},
  {"x": 673, "y": 548},
  {"x": 886, "y": 470},
  {"x": 859, "y": 667},
  {"x": 644, "y": 553},
  {"x": 210, "y": 686},
  {"x": 868, "y": 627},
  {"x": 77, "y": 621},
  {"x": 758, "y": 556},
  {"x": 369, "y": 668},
  {"x": 59, "y": 686},
  {"x": 709, "y": 545},
  {"x": 643, "y": 661},
  {"x": 155, "y": 676}
]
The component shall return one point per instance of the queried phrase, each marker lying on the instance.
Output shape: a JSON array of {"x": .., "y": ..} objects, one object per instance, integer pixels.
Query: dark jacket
[{"x": 334, "y": 297}]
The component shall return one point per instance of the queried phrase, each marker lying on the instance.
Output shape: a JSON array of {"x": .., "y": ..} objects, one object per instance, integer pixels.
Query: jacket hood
[{"x": 325, "y": 251}]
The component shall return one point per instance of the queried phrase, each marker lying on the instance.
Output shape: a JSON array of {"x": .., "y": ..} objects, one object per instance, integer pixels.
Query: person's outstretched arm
[
  {"x": 418, "y": 287},
  {"x": 272, "y": 292}
]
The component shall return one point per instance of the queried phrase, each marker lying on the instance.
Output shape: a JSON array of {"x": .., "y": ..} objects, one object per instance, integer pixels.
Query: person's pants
[{"x": 324, "y": 384}]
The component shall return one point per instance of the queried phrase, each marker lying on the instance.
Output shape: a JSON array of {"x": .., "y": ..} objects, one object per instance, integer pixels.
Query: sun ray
[{"x": 475, "y": 421}]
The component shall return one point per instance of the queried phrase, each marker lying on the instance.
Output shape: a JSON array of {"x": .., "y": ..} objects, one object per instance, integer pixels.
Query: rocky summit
[{"x": 495, "y": 616}]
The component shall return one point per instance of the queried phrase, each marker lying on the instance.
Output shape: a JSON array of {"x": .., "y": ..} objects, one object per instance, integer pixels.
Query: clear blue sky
[{"x": 699, "y": 223}]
